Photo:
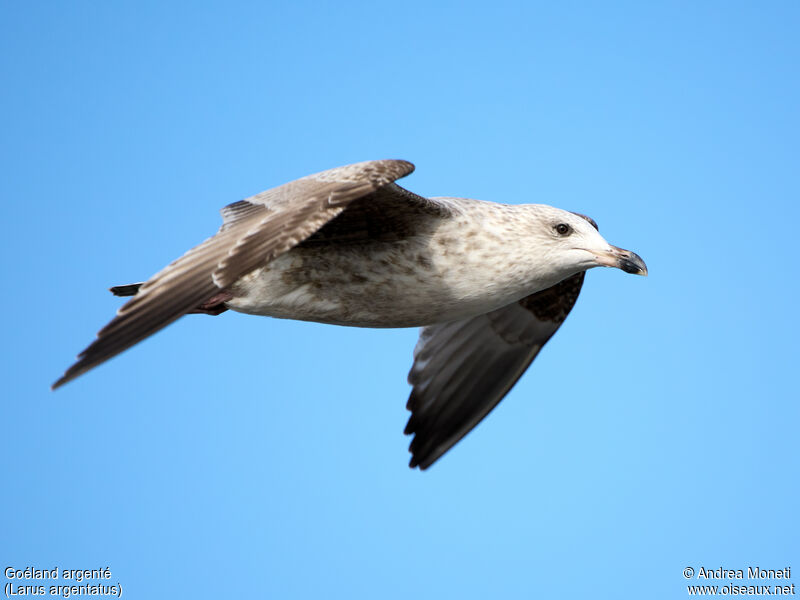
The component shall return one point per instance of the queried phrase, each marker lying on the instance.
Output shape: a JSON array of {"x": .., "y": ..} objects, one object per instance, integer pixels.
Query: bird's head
[{"x": 575, "y": 244}]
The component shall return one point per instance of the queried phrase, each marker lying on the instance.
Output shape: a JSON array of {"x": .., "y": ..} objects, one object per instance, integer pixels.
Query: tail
[{"x": 126, "y": 290}]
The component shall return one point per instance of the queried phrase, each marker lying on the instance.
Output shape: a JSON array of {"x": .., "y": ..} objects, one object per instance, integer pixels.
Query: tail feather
[{"x": 126, "y": 290}]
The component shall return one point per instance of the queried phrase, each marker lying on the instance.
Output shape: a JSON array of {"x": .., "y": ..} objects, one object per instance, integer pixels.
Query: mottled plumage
[{"x": 489, "y": 283}]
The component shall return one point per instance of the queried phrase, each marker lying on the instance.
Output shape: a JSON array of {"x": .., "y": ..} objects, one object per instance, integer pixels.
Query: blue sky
[{"x": 252, "y": 457}]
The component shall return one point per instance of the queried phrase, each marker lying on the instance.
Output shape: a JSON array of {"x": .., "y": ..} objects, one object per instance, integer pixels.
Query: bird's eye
[{"x": 563, "y": 229}]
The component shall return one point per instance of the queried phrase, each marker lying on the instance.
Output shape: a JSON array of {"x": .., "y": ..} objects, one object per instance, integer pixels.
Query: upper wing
[
  {"x": 255, "y": 231},
  {"x": 387, "y": 215},
  {"x": 462, "y": 369}
]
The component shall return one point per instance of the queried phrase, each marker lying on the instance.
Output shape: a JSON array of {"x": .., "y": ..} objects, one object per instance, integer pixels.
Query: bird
[{"x": 488, "y": 283}]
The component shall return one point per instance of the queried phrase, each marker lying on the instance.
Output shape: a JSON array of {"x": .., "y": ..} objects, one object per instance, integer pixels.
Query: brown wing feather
[
  {"x": 463, "y": 369},
  {"x": 388, "y": 214},
  {"x": 249, "y": 238},
  {"x": 271, "y": 234}
]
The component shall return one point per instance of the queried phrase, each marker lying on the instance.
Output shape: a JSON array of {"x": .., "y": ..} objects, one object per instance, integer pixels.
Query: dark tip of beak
[{"x": 630, "y": 262}]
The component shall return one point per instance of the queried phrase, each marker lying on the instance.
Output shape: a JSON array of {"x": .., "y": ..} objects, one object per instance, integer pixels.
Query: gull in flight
[{"x": 488, "y": 283}]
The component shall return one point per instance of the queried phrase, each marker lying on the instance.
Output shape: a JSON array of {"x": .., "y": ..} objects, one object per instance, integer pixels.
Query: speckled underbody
[{"x": 460, "y": 264}]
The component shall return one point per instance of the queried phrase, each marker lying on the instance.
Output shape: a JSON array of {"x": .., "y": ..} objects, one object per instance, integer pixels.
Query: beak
[{"x": 628, "y": 261}]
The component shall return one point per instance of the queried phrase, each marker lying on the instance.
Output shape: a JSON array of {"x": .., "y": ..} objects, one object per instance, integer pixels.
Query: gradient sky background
[{"x": 244, "y": 457}]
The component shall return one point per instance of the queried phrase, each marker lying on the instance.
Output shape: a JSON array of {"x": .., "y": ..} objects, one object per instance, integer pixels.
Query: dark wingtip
[
  {"x": 71, "y": 374},
  {"x": 420, "y": 456},
  {"x": 416, "y": 463}
]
